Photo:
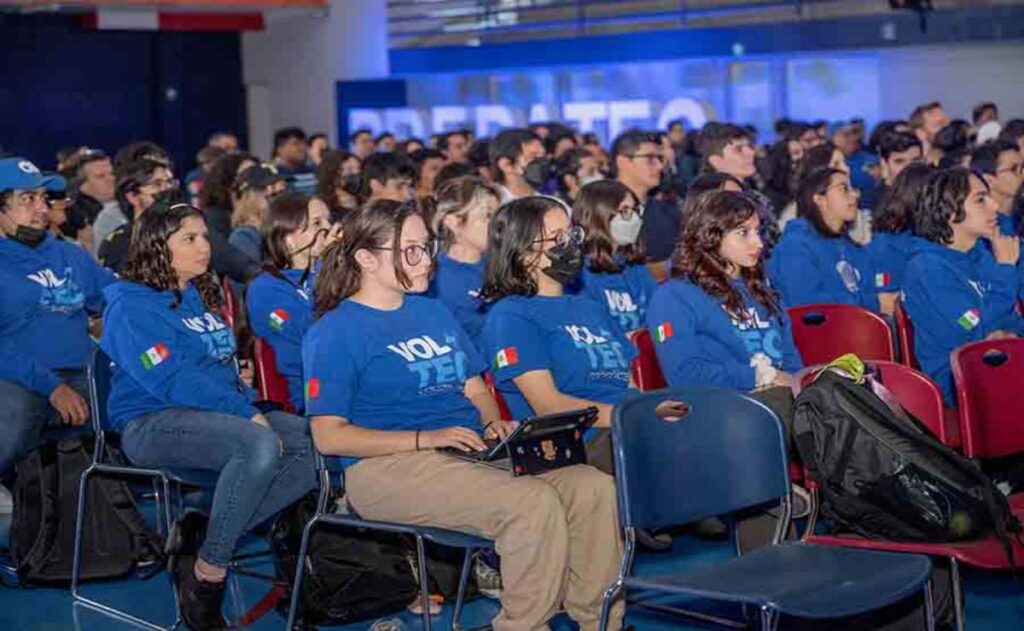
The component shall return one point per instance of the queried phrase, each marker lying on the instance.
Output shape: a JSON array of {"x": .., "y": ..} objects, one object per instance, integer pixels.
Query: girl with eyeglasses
[
  {"x": 816, "y": 261},
  {"x": 279, "y": 301},
  {"x": 550, "y": 350},
  {"x": 462, "y": 211},
  {"x": 392, "y": 376},
  {"x": 614, "y": 271},
  {"x": 178, "y": 402}
]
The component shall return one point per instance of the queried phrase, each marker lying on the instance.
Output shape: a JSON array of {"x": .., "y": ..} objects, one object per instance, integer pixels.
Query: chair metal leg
[
  {"x": 421, "y": 557},
  {"x": 958, "y": 594},
  {"x": 300, "y": 569},
  {"x": 769, "y": 618},
  {"x": 467, "y": 563},
  {"x": 76, "y": 559},
  {"x": 929, "y": 607},
  {"x": 606, "y": 604}
]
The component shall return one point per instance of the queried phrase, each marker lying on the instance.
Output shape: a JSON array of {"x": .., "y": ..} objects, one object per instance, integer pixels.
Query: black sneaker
[{"x": 201, "y": 603}]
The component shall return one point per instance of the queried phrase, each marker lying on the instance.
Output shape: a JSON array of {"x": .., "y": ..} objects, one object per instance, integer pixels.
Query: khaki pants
[{"x": 557, "y": 533}]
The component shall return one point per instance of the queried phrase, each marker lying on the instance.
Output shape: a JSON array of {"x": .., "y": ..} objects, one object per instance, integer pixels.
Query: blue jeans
[
  {"x": 24, "y": 415},
  {"x": 260, "y": 471}
]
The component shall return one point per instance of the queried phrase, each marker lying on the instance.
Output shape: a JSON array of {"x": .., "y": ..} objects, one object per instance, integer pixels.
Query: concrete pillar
[{"x": 290, "y": 69}]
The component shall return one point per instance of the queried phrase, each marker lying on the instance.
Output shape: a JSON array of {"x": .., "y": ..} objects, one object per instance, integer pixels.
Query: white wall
[{"x": 290, "y": 69}]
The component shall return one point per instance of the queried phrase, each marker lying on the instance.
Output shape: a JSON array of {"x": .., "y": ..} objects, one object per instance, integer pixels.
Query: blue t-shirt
[
  {"x": 624, "y": 294},
  {"x": 890, "y": 252},
  {"x": 954, "y": 298},
  {"x": 280, "y": 312},
  {"x": 570, "y": 336},
  {"x": 391, "y": 370},
  {"x": 700, "y": 345},
  {"x": 808, "y": 268},
  {"x": 300, "y": 179},
  {"x": 457, "y": 285}
]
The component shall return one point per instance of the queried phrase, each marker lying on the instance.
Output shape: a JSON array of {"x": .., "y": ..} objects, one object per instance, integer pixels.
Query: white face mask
[
  {"x": 626, "y": 231},
  {"x": 589, "y": 179}
]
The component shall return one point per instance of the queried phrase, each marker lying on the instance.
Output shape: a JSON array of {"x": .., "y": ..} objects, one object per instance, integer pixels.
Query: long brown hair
[
  {"x": 149, "y": 257},
  {"x": 377, "y": 225},
  {"x": 698, "y": 259},
  {"x": 596, "y": 204},
  {"x": 289, "y": 212}
]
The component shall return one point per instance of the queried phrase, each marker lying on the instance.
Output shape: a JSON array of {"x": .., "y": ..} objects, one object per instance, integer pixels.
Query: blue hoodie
[
  {"x": 457, "y": 285},
  {"x": 169, "y": 357},
  {"x": 624, "y": 294},
  {"x": 890, "y": 252},
  {"x": 700, "y": 345},
  {"x": 954, "y": 298},
  {"x": 281, "y": 311},
  {"x": 808, "y": 268},
  {"x": 44, "y": 324}
]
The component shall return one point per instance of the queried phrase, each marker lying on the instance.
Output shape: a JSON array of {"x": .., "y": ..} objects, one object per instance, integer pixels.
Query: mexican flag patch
[
  {"x": 882, "y": 279},
  {"x": 508, "y": 356},
  {"x": 970, "y": 319},
  {"x": 154, "y": 355},
  {"x": 277, "y": 319},
  {"x": 313, "y": 389},
  {"x": 663, "y": 332}
]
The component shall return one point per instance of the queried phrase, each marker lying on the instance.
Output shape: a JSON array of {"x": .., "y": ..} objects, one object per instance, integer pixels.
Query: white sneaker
[
  {"x": 6, "y": 501},
  {"x": 488, "y": 579}
]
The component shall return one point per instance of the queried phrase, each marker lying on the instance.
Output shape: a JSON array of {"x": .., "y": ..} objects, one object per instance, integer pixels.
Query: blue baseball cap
[{"x": 18, "y": 174}]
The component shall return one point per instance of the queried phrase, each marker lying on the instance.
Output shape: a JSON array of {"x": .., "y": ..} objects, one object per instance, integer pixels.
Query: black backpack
[
  {"x": 350, "y": 576},
  {"x": 116, "y": 537},
  {"x": 882, "y": 475}
]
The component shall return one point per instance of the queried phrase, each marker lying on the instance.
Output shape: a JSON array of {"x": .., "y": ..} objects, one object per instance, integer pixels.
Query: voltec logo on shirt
[
  {"x": 850, "y": 276},
  {"x": 970, "y": 319},
  {"x": 604, "y": 353},
  {"x": 506, "y": 357},
  {"x": 277, "y": 319},
  {"x": 663, "y": 333},
  {"x": 440, "y": 367},
  {"x": 622, "y": 305},
  {"x": 882, "y": 279},
  {"x": 154, "y": 356},
  {"x": 60, "y": 293},
  {"x": 758, "y": 335},
  {"x": 218, "y": 338}
]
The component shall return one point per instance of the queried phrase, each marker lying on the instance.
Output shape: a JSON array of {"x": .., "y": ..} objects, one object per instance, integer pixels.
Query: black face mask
[
  {"x": 537, "y": 173},
  {"x": 566, "y": 263},
  {"x": 168, "y": 198},
  {"x": 27, "y": 235},
  {"x": 352, "y": 184}
]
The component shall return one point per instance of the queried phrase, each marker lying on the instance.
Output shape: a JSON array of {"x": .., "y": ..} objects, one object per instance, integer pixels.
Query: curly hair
[
  {"x": 510, "y": 244},
  {"x": 596, "y": 205},
  {"x": 149, "y": 256},
  {"x": 940, "y": 201},
  {"x": 378, "y": 225},
  {"x": 215, "y": 191},
  {"x": 895, "y": 213},
  {"x": 699, "y": 260}
]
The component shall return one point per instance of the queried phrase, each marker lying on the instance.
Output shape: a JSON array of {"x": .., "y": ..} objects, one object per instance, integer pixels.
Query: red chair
[
  {"x": 506, "y": 414},
  {"x": 230, "y": 308},
  {"x": 989, "y": 379},
  {"x": 269, "y": 383},
  {"x": 905, "y": 333},
  {"x": 824, "y": 332},
  {"x": 646, "y": 372},
  {"x": 922, "y": 398}
]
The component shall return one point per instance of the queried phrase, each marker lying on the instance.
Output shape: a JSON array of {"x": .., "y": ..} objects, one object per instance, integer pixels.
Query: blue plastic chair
[
  {"x": 166, "y": 483},
  {"x": 728, "y": 453},
  {"x": 440, "y": 536}
]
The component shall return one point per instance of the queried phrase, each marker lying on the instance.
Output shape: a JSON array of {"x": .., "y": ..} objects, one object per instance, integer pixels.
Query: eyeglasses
[
  {"x": 415, "y": 253},
  {"x": 573, "y": 235},
  {"x": 650, "y": 158},
  {"x": 846, "y": 188},
  {"x": 1016, "y": 169},
  {"x": 163, "y": 185}
]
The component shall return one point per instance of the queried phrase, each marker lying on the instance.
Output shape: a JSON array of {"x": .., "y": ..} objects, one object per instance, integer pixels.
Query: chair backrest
[
  {"x": 989, "y": 379},
  {"x": 905, "y": 333},
  {"x": 99, "y": 373},
  {"x": 230, "y": 307},
  {"x": 726, "y": 453},
  {"x": 506, "y": 414},
  {"x": 915, "y": 391},
  {"x": 646, "y": 371},
  {"x": 826, "y": 331},
  {"x": 269, "y": 383}
]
